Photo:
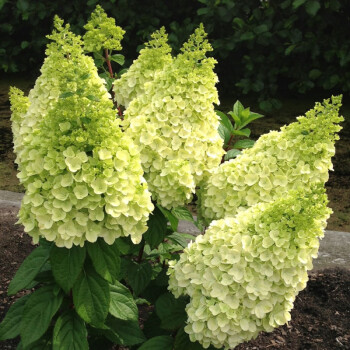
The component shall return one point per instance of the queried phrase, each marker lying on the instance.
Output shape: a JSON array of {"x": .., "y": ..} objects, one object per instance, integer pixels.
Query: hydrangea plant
[{"x": 105, "y": 191}]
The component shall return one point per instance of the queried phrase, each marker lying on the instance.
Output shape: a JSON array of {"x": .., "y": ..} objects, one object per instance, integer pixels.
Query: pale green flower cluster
[
  {"x": 243, "y": 275},
  {"x": 82, "y": 175},
  {"x": 153, "y": 58},
  {"x": 297, "y": 156},
  {"x": 102, "y": 33},
  {"x": 175, "y": 126}
]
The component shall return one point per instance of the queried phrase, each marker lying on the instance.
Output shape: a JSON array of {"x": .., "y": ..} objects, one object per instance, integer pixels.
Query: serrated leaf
[
  {"x": 161, "y": 342},
  {"x": 93, "y": 98},
  {"x": 174, "y": 222},
  {"x": 105, "y": 259},
  {"x": 9, "y": 326},
  {"x": 181, "y": 238},
  {"x": 237, "y": 108},
  {"x": 125, "y": 333},
  {"x": 70, "y": 332},
  {"x": 224, "y": 119},
  {"x": 30, "y": 267},
  {"x": 122, "y": 304},
  {"x": 118, "y": 58},
  {"x": 241, "y": 144},
  {"x": 252, "y": 116},
  {"x": 157, "y": 228},
  {"x": 139, "y": 276},
  {"x": 66, "y": 265},
  {"x": 182, "y": 213},
  {"x": 171, "y": 311},
  {"x": 91, "y": 296},
  {"x": 242, "y": 132},
  {"x": 231, "y": 154},
  {"x": 224, "y": 133},
  {"x": 67, "y": 94},
  {"x": 38, "y": 311}
]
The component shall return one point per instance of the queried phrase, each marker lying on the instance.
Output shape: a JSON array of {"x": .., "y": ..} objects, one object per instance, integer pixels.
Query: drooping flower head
[
  {"x": 102, "y": 32},
  {"x": 175, "y": 126},
  {"x": 82, "y": 175},
  {"x": 296, "y": 157},
  {"x": 152, "y": 59},
  {"x": 243, "y": 275}
]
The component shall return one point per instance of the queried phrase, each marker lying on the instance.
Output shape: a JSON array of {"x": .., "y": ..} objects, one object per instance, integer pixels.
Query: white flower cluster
[
  {"x": 82, "y": 175},
  {"x": 175, "y": 126},
  {"x": 152, "y": 59},
  {"x": 297, "y": 156},
  {"x": 243, "y": 275}
]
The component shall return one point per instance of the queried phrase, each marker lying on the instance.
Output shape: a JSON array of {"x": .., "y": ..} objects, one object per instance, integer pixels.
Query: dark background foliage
[{"x": 265, "y": 48}]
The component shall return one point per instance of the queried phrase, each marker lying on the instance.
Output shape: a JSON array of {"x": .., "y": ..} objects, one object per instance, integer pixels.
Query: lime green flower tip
[
  {"x": 296, "y": 157},
  {"x": 102, "y": 32}
]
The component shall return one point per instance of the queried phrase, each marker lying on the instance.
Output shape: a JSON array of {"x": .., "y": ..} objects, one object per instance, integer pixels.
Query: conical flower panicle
[
  {"x": 243, "y": 275},
  {"x": 102, "y": 33},
  {"x": 175, "y": 126},
  {"x": 296, "y": 157},
  {"x": 153, "y": 58},
  {"x": 82, "y": 175}
]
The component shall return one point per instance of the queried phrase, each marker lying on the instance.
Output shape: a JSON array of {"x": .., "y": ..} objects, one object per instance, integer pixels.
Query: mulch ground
[{"x": 320, "y": 319}]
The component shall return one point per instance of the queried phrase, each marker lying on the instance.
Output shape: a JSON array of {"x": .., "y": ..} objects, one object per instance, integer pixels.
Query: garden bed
[{"x": 320, "y": 319}]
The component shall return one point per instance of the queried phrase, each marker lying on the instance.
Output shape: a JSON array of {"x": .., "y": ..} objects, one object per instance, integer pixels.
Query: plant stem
[
  {"x": 227, "y": 147},
  {"x": 108, "y": 63}
]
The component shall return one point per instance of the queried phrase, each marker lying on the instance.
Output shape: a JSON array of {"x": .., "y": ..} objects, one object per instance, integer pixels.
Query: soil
[{"x": 320, "y": 319}]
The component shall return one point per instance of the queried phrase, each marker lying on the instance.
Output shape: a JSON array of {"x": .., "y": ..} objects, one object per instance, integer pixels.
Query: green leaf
[
  {"x": 139, "y": 276},
  {"x": 238, "y": 108},
  {"x": 9, "y": 326},
  {"x": 162, "y": 342},
  {"x": 171, "y": 311},
  {"x": 181, "y": 238},
  {"x": 314, "y": 74},
  {"x": 105, "y": 258},
  {"x": 312, "y": 7},
  {"x": 157, "y": 227},
  {"x": 152, "y": 326},
  {"x": 289, "y": 49},
  {"x": 174, "y": 222},
  {"x": 67, "y": 94},
  {"x": 298, "y": 3},
  {"x": 30, "y": 267},
  {"x": 242, "y": 132},
  {"x": 91, "y": 296},
  {"x": 122, "y": 304},
  {"x": 244, "y": 144},
  {"x": 224, "y": 133},
  {"x": 182, "y": 213},
  {"x": 252, "y": 116},
  {"x": 126, "y": 333},
  {"x": 85, "y": 76},
  {"x": 70, "y": 332},
  {"x": 66, "y": 265},
  {"x": 231, "y": 154},
  {"x": 118, "y": 58},
  {"x": 38, "y": 311},
  {"x": 93, "y": 98},
  {"x": 182, "y": 341},
  {"x": 202, "y": 11},
  {"x": 224, "y": 119}
]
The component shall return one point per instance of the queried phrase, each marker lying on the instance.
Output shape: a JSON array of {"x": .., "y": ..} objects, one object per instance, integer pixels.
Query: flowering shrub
[
  {"x": 82, "y": 175},
  {"x": 243, "y": 275},
  {"x": 90, "y": 171}
]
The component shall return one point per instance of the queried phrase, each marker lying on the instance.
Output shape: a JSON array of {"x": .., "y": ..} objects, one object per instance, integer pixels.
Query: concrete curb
[{"x": 334, "y": 249}]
